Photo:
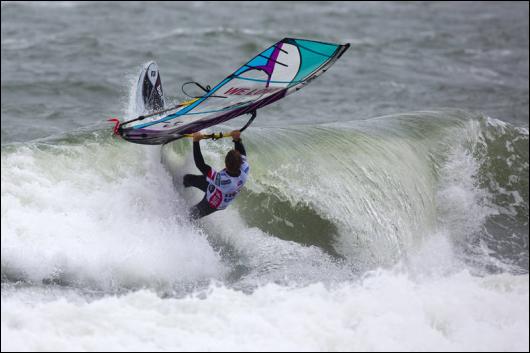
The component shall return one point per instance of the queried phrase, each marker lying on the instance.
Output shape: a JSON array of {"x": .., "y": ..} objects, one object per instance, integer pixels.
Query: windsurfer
[{"x": 221, "y": 187}]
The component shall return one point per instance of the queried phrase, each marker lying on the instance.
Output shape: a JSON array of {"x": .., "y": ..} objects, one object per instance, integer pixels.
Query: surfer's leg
[
  {"x": 201, "y": 209},
  {"x": 199, "y": 181}
]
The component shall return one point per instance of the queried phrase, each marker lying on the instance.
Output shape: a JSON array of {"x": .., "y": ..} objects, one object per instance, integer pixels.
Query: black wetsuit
[{"x": 203, "y": 208}]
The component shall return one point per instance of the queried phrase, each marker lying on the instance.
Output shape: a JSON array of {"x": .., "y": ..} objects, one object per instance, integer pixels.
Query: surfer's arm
[
  {"x": 239, "y": 147},
  {"x": 237, "y": 142},
  {"x": 199, "y": 160}
]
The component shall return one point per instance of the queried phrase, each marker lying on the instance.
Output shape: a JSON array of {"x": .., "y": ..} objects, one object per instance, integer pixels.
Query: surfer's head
[{"x": 233, "y": 161}]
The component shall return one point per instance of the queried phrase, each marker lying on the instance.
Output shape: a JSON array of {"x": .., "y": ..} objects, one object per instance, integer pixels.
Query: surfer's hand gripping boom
[
  {"x": 219, "y": 135},
  {"x": 197, "y": 136}
]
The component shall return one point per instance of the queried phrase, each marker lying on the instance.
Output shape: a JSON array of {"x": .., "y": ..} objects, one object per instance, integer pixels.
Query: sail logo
[{"x": 242, "y": 91}]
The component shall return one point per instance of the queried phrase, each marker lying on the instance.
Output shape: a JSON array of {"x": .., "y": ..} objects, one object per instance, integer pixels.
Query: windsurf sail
[{"x": 283, "y": 68}]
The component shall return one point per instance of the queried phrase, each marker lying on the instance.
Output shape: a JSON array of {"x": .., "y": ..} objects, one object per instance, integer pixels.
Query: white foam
[
  {"x": 463, "y": 206},
  {"x": 387, "y": 311},
  {"x": 99, "y": 216}
]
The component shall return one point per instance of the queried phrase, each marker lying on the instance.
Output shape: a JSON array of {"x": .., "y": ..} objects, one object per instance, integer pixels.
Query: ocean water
[{"x": 387, "y": 208}]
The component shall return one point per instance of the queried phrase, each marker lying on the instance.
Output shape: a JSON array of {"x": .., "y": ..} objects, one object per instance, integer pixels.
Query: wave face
[
  {"x": 356, "y": 195},
  {"x": 370, "y": 192}
]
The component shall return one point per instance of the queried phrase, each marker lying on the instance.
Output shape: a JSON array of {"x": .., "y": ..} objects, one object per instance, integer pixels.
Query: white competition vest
[{"x": 223, "y": 188}]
